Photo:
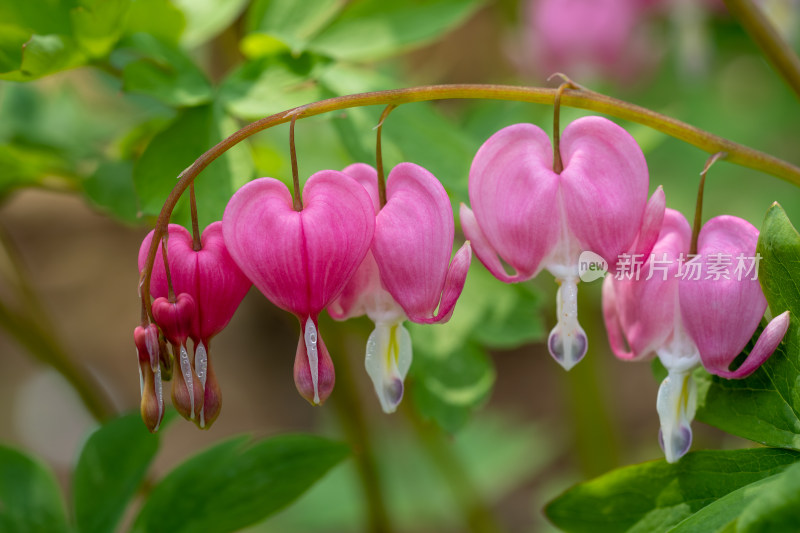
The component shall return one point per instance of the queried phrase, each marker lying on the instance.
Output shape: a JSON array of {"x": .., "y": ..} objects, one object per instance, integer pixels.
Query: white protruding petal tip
[
  {"x": 310, "y": 338},
  {"x": 388, "y": 359}
]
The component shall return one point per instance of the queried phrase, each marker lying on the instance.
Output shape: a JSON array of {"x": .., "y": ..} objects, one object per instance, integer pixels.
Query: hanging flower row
[{"x": 339, "y": 245}]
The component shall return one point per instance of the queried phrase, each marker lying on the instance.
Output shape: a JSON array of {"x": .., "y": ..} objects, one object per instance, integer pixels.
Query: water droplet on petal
[
  {"x": 310, "y": 337},
  {"x": 186, "y": 372}
]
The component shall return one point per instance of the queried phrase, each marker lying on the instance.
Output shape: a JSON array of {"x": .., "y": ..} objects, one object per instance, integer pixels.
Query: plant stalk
[{"x": 580, "y": 98}]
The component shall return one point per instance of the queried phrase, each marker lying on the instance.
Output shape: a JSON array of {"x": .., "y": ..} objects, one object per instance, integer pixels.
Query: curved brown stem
[{"x": 580, "y": 98}]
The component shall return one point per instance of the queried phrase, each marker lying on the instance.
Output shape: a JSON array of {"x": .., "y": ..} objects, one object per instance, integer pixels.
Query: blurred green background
[{"x": 111, "y": 100}]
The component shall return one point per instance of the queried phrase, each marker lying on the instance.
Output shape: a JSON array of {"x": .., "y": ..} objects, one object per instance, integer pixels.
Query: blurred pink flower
[
  {"x": 534, "y": 218},
  {"x": 301, "y": 260},
  {"x": 406, "y": 274}
]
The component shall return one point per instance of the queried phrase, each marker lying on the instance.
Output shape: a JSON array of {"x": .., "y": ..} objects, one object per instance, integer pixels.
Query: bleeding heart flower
[
  {"x": 534, "y": 218},
  {"x": 406, "y": 275},
  {"x": 301, "y": 260},
  {"x": 691, "y": 312},
  {"x": 210, "y": 287}
]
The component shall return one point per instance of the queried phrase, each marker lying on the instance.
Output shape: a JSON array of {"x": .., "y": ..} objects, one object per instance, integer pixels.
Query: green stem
[
  {"x": 766, "y": 36},
  {"x": 698, "y": 210},
  {"x": 480, "y": 518},
  {"x": 379, "y": 155},
  {"x": 347, "y": 404},
  {"x": 35, "y": 333},
  {"x": 580, "y": 98}
]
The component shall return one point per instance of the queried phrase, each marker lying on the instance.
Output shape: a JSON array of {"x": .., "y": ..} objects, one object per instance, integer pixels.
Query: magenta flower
[
  {"x": 407, "y": 274},
  {"x": 702, "y": 310},
  {"x": 301, "y": 260},
  {"x": 209, "y": 288},
  {"x": 534, "y": 218}
]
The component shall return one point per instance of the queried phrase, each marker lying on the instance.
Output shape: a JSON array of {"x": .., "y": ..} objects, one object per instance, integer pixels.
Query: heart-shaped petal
[
  {"x": 604, "y": 186},
  {"x": 209, "y": 275},
  {"x": 300, "y": 260},
  {"x": 722, "y": 314},
  {"x": 175, "y": 318},
  {"x": 413, "y": 242},
  {"x": 514, "y": 196}
]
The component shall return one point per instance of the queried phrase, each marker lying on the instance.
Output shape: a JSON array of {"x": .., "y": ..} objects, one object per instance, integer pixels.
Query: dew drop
[{"x": 310, "y": 338}]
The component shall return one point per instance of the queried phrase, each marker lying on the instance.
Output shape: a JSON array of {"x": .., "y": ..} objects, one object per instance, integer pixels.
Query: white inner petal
[
  {"x": 186, "y": 372},
  {"x": 676, "y": 405},
  {"x": 310, "y": 337},
  {"x": 201, "y": 367},
  {"x": 159, "y": 396},
  {"x": 567, "y": 342},
  {"x": 387, "y": 361}
]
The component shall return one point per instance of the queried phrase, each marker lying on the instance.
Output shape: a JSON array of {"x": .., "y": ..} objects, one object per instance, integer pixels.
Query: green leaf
[
  {"x": 164, "y": 72},
  {"x": 448, "y": 387},
  {"x": 656, "y": 495},
  {"x": 724, "y": 513},
  {"x": 288, "y": 23},
  {"x": 110, "y": 469},
  {"x": 375, "y": 29},
  {"x": 30, "y": 500},
  {"x": 39, "y": 56},
  {"x": 38, "y": 16},
  {"x": 765, "y": 407},
  {"x": 98, "y": 24},
  {"x": 207, "y": 18},
  {"x": 272, "y": 84},
  {"x": 111, "y": 189},
  {"x": 159, "y": 18},
  {"x": 193, "y": 131},
  {"x": 775, "y": 509},
  {"x": 237, "y": 483},
  {"x": 26, "y": 166}
]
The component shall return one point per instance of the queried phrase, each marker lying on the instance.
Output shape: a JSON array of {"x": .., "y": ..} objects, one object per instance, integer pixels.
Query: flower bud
[
  {"x": 175, "y": 318},
  {"x": 147, "y": 348}
]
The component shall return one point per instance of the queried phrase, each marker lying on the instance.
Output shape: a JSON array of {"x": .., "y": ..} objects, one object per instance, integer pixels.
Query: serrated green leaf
[
  {"x": 30, "y": 500},
  {"x": 207, "y": 18},
  {"x": 774, "y": 509},
  {"x": 656, "y": 495},
  {"x": 376, "y": 29},
  {"x": 98, "y": 24},
  {"x": 269, "y": 85},
  {"x": 110, "y": 469},
  {"x": 193, "y": 131},
  {"x": 164, "y": 72},
  {"x": 237, "y": 483},
  {"x": 765, "y": 407}
]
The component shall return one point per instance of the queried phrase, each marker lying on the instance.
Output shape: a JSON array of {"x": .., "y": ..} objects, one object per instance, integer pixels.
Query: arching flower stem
[{"x": 579, "y": 98}]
